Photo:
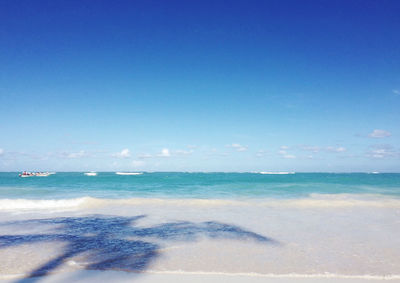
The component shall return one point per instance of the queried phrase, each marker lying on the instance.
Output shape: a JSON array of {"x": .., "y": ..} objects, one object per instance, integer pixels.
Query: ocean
[{"x": 298, "y": 225}]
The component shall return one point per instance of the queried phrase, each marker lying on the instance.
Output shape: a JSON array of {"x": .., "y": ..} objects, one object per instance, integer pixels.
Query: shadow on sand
[{"x": 114, "y": 243}]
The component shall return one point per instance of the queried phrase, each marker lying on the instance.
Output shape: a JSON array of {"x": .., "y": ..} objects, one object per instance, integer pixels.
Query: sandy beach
[
  {"x": 119, "y": 276},
  {"x": 189, "y": 241}
]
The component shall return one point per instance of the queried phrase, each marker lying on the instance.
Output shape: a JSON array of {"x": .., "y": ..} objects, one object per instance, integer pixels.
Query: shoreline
[
  {"x": 341, "y": 200},
  {"x": 182, "y": 276}
]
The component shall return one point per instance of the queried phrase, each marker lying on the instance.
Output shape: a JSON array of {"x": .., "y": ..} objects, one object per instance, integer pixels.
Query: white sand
[
  {"x": 120, "y": 276},
  {"x": 352, "y": 242}
]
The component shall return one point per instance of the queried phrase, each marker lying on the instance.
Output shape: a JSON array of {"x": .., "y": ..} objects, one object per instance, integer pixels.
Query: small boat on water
[
  {"x": 128, "y": 173},
  {"x": 40, "y": 174},
  {"x": 90, "y": 173},
  {"x": 26, "y": 174}
]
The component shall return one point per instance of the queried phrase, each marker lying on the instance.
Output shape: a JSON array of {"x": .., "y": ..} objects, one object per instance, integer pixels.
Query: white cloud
[
  {"x": 164, "y": 153},
  {"x": 335, "y": 149},
  {"x": 396, "y": 91},
  {"x": 125, "y": 153},
  {"x": 379, "y": 153},
  {"x": 382, "y": 151},
  {"x": 1, "y": 151},
  {"x": 379, "y": 134},
  {"x": 238, "y": 147},
  {"x": 284, "y": 147},
  {"x": 316, "y": 149}
]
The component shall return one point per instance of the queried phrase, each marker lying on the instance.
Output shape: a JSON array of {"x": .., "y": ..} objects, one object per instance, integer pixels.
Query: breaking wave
[{"x": 313, "y": 201}]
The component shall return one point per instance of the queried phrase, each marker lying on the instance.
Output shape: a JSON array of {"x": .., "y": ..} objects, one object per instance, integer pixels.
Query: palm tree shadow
[{"x": 115, "y": 243}]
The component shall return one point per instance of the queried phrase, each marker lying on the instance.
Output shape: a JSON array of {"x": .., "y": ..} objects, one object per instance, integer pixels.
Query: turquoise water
[{"x": 196, "y": 185}]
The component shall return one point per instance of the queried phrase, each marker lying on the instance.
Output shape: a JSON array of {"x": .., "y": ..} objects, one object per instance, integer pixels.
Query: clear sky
[{"x": 200, "y": 85}]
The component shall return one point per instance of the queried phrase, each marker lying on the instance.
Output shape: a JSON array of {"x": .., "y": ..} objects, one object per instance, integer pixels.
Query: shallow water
[{"x": 196, "y": 185}]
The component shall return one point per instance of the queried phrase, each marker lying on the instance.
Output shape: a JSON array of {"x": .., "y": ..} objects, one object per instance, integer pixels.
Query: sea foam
[{"x": 313, "y": 201}]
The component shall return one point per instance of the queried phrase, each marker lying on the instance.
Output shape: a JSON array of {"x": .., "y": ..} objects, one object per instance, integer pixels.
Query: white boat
[
  {"x": 276, "y": 173},
  {"x": 39, "y": 174},
  {"x": 26, "y": 174},
  {"x": 128, "y": 173},
  {"x": 90, "y": 173}
]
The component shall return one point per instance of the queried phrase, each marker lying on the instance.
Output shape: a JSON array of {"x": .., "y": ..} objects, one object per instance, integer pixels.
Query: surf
[{"x": 313, "y": 201}]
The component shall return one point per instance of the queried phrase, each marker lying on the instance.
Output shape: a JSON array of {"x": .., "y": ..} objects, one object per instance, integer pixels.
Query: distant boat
[
  {"x": 40, "y": 174},
  {"x": 26, "y": 174},
  {"x": 277, "y": 173},
  {"x": 128, "y": 173},
  {"x": 90, "y": 173},
  {"x": 34, "y": 174}
]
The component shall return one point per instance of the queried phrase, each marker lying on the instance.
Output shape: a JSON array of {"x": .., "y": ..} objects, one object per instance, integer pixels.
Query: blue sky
[{"x": 200, "y": 85}]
